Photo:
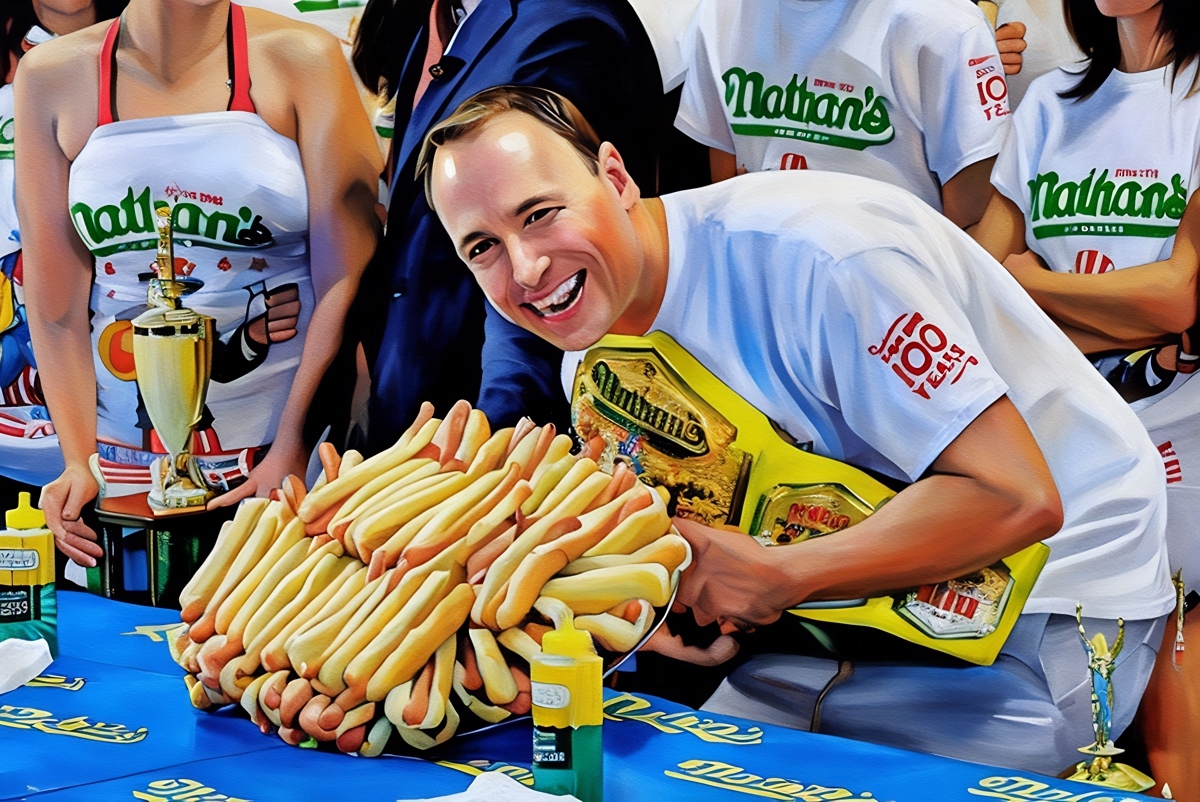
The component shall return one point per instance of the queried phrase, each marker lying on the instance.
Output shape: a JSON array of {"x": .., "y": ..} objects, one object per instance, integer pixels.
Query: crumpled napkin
[
  {"x": 492, "y": 786},
  {"x": 21, "y": 660}
]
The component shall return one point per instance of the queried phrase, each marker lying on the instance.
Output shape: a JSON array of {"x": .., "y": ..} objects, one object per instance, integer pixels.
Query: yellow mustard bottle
[
  {"x": 28, "y": 608},
  {"x": 568, "y": 709}
]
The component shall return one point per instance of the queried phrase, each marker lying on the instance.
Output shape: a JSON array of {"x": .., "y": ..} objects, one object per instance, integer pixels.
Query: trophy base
[
  {"x": 178, "y": 499},
  {"x": 1103, "y": 772},
  {"x": 172, "y": 493}
]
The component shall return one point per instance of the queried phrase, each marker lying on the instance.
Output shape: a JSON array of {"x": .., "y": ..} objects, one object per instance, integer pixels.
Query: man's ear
[{"x": 612, "y": 167}]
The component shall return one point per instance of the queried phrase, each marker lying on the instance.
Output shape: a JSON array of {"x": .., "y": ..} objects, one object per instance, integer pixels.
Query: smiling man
[{"x": 819, "y": 298}]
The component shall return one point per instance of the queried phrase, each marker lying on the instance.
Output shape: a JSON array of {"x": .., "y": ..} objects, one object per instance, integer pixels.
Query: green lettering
[
  {"x": 1062, "y": 202},
  {"x": 1175, "y": 204},
  {"x": 1102, "y": 194},
  {"x": 1154, "y": 198},
  {"x": 1040, "y": 190},
  {"x": 85, "y": 219},
  {"x": 188, "y": 219},
  {"x": 875, "y": 118},
  {"x": 797, "y": 99},
  {"x": 1085, "y": 186},
  {"x": 138, "y": 215},
  {"x": 849, "y": 106},
  {"x": 827, "y": 114},
  {"x": 1126, "y": 200},
  {"x": 739, "y": 82},
  {"x": 114, "y": 228},
  {"x": 215, "y": 219},
  {"x": 773, "y": 102}
]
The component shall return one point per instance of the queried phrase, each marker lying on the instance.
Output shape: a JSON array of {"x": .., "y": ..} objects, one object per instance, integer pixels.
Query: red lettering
[
  {"x": 970, "y": 361},
  {"x": 906, "y": 358}
]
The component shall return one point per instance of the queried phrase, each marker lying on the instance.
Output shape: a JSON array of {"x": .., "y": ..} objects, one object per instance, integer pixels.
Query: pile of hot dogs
[{"x": 410, "y": 589}]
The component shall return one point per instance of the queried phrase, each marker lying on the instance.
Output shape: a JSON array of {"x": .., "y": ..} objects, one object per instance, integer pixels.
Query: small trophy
[
  {"x": 172, "y": 353},
  {"x": 1101, "y": 770}
]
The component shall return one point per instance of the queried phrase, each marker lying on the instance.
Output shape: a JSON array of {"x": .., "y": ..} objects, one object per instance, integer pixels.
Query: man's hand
[
  {"x": 1010, "y": 41},
  {"x": 62, "y": 500},
  {"x": 733, "y": 580},
  {"x": 722, "y": 650},
  {"x": 266, "y": 475}
]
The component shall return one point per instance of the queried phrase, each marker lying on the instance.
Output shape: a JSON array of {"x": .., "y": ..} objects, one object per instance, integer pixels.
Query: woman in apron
[
  {"x": 248, "y": 126},
  {"x": 1097, "y": 182}
]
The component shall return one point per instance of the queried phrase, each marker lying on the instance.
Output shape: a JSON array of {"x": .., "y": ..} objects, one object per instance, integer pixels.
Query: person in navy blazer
[{"x": 427, "y": 331}]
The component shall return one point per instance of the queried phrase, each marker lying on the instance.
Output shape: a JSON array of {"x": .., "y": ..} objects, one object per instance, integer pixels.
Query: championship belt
[{"x": 723, "y": 462}]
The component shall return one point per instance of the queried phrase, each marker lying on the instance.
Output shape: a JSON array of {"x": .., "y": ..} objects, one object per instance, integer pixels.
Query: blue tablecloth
[{"x": 111, "y": 719}]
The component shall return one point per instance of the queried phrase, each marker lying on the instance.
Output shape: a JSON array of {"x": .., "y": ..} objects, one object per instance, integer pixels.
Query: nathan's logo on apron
[
  {"x": 830, "y": 113},
  {"x": 128, "y": 225},
  {"x": 1101, "y": 206},
  {"x": 6, "y": 137}
]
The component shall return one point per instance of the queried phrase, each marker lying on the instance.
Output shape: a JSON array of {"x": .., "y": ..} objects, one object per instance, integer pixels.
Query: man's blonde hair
[{"x": 549, "y": 108}]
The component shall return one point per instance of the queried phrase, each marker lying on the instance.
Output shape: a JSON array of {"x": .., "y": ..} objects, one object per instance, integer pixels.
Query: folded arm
[{"x": 1129, "y": 308}]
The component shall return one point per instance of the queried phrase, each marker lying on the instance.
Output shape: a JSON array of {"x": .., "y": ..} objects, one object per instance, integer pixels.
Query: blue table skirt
[{"x": 110, "y": 719}]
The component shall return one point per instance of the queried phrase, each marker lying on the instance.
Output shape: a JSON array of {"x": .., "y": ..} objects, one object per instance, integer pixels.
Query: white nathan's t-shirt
[
  {"x": 10, "y": 240},
  {"x": 905, "y": 91},
  {"x": 864, "y": 322},
  {"x": 1048, "y": 42},
  {"x": 1103, "y": 181}
]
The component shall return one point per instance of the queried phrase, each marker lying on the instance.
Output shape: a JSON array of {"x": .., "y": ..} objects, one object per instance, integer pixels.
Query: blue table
[{"x": 110, "y": 719}]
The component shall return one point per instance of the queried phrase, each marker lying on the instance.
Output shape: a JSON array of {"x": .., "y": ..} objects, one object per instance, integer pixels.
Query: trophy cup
[
  {"x": 172, "y": 354},
  {"x": 1101, "y": 770}
]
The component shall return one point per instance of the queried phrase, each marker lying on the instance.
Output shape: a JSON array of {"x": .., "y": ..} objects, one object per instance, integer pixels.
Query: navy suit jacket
[{"x": 427, "y": 331}]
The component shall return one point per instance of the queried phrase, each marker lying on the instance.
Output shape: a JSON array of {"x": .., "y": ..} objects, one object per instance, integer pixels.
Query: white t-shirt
[
  {"x": 905, "y": 91},
  {"x": 1103, "y": 181},
  {"x": 10, "y": 240},
  {"x": 1048, "y": 43},
  {"x": 865, "y": 323},
  {"x": 665, "y": 21}
]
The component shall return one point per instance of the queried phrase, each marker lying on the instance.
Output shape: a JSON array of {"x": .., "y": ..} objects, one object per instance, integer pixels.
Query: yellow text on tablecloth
[
  {"x": 735, "y": 778},
  {"x": 57, "y": 681},
  {"x": 1020, "y": 789},
  {"x": 182, "y": 790},
  {"x": 632, "y": 708},
  {"x": 30, "y": 718}
]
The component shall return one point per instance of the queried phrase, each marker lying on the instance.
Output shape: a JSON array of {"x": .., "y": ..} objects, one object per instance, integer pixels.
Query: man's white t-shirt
[
  {"x": 861, "y": 320},
  {"x": 905, "y": 91},
  {"x": 1103, "y": 181}
]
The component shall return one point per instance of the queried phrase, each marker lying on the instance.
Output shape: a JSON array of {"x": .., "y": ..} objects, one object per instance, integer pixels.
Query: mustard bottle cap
[
  {"x": 568, "y": 641},
  {"x": 25, "y": 516}
]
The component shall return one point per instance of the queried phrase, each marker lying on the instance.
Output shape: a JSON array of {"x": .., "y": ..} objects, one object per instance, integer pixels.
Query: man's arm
[
  {"x": 987, "y": 495},
  {"x": 966, "y": 195}
]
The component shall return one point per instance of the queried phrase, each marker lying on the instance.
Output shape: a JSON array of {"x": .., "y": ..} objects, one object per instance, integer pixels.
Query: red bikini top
[{"x": 235, "y": 42}]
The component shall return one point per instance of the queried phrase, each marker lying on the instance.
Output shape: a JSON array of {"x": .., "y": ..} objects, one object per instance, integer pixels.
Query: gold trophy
[
  {"x": 1101, "y": 769},
  {"x": 172, "y": 354}
]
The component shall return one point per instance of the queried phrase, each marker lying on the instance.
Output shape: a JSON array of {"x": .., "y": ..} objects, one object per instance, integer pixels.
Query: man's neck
[{"x": 649, "y": 220}]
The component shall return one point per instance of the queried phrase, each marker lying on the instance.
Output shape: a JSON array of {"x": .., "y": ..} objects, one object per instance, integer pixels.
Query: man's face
[{"x": 550, "y": 243}]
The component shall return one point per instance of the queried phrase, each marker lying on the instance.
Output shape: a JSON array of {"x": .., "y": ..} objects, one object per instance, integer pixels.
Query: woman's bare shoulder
[
  {"x": 65, "y": 68},
  {"x": 290, "y": 42}
]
